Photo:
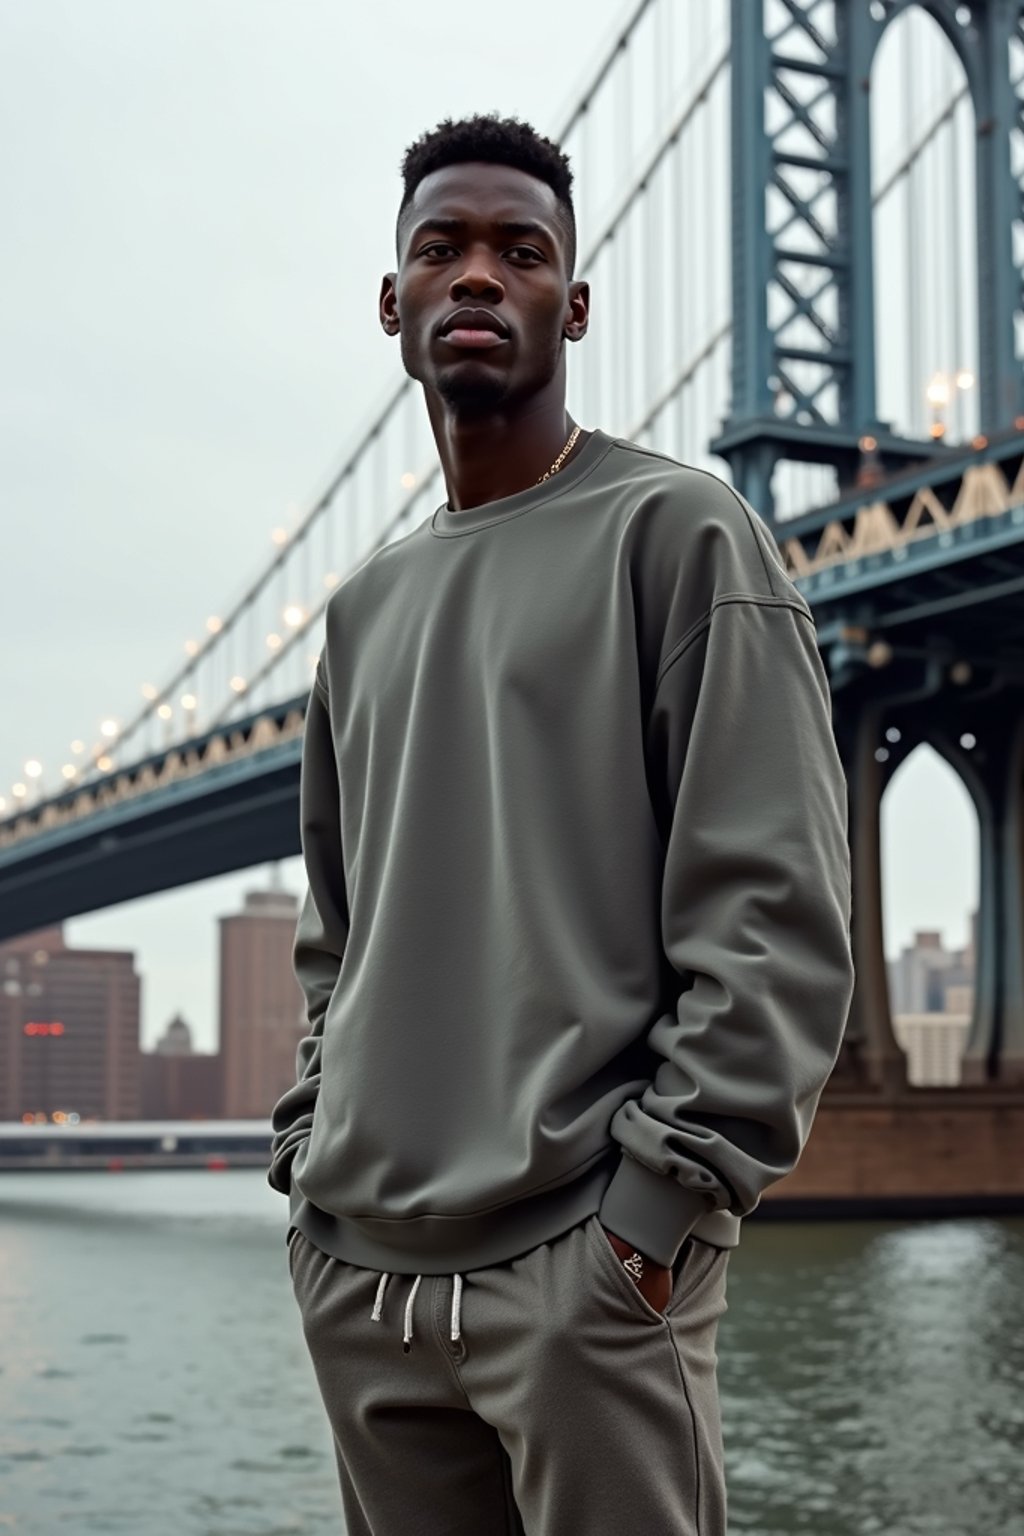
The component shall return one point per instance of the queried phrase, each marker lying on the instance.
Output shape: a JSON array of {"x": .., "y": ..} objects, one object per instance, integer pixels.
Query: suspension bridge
[{"x": 803, "y": 226}]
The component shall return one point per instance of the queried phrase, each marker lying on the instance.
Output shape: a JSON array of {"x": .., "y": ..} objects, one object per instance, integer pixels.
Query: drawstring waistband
[{"x": 378, "y": 1306}]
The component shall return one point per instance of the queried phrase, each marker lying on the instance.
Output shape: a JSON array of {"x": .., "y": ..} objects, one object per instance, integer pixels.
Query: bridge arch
[{"x": 930, "y": 802}]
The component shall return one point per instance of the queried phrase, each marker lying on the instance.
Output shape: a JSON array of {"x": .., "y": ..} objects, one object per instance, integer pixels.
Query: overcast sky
[{"x": 199, "y": 202}]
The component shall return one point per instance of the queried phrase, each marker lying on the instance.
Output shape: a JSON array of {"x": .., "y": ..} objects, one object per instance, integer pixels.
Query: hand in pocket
[{"x": 655, "y": 1282}]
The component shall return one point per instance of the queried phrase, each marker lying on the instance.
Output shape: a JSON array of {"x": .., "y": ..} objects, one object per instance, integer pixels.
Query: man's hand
[{"x": 655, "y": 1284}]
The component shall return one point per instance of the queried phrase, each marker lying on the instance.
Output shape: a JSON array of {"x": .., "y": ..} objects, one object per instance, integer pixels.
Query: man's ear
[
  {"x": 579, "y": 311},
  {"x": 388, "y": 304}
]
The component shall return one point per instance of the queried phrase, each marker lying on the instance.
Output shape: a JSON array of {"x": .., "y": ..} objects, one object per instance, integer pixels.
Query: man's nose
[{"x": 477, "y": 281}]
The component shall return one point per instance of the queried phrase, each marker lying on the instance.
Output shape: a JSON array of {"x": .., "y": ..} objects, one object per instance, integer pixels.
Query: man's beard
[{"x": 470, "y": 397}]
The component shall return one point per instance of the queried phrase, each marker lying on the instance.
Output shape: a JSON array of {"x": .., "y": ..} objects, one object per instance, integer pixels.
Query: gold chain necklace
[{"x": 556, "y": 466}]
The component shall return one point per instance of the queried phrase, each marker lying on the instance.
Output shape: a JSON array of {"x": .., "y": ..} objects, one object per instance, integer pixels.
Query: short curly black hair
[{"x": 499, "y": 141}]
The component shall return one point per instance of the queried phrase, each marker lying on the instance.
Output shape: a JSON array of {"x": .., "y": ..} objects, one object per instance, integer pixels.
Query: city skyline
[
  {"x": 181, "y": 974},
  {"x": 260, "y": 1014}
]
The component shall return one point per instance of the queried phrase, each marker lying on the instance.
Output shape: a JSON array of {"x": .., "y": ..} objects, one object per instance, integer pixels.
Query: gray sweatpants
[{"x": 566, "y": 1405}]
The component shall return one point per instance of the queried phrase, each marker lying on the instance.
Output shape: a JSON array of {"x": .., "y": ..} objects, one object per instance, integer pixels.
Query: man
[{"x": 575, "y": 947}]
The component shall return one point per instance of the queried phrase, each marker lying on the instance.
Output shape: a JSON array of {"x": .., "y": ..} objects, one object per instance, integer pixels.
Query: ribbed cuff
[{"x": 650, "y": 1210}]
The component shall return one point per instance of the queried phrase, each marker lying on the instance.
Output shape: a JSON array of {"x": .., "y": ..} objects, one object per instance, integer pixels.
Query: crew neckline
[{"x": 446, "y": 524}]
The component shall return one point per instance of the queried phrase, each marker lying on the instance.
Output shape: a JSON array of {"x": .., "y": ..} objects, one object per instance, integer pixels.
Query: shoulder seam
[
  {"x": 696, "y": 629},
  {"x": 666, "y": 458},
  {"x": 653, "y": 453}
]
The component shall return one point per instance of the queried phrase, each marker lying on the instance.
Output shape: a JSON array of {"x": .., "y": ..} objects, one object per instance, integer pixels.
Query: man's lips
[
  {"x": 463, "y": 336},
  {"x": 474, "y": 328}
]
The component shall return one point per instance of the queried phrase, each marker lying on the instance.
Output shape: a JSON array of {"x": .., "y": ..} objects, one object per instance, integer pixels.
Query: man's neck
[{"x": 487, "y": 457}]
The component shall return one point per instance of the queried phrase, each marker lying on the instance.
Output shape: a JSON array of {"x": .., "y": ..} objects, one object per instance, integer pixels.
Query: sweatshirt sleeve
[
  {"x": 321, "y": 931},
  {"x": 755, "y": 921}
]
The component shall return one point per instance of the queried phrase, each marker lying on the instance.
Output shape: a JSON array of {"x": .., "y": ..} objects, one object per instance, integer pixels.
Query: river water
[{"x": 154, "y": 1379}]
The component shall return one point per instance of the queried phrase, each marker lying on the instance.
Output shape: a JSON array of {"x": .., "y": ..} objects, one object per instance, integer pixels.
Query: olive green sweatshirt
[{"x": 576, "y": 934}]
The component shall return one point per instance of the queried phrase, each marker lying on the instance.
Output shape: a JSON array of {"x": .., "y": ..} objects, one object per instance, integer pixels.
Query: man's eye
[
  {"x": 527, "y": 251},
  {"x": 435, "y": 246}
]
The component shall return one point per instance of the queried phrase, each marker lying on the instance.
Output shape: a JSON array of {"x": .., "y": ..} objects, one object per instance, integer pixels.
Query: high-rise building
[
  {"x": 262, "y": 1011},
  {"x": 69, "y": 1030},
  {"x": 931, "y": 995},
  {"x": 934, "y": 1046},
  {"x": 179, "y": 1083},
  {"x": 921, "y": 975}
]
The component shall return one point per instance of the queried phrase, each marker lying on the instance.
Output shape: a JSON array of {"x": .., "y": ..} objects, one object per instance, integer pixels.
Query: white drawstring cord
[
  {"x": 379, "y": 1303},
  {"x": 378, "y": 1307},
  {"x": 456, "y": 1305}
]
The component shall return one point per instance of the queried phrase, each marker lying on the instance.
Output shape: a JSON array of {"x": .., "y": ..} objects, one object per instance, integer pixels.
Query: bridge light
[
  {"x": 78, "y": 746},
  {"x": 968, "y": 740},
  {"x": 191, "y": 647},
  {"x": 408, "y": 480},
  {"x": 893, "y": 733},
  {"x": 938, "y": 390},
  {"x": 867, "y": 444},
  {"x": 148, "y": 691},
  {"x": 964, "y": 378},
  {"x": 878, "y": 654},
  {"x": 214, "y": 625},
  {"x": 105, "y": 763},
  {"x": 69, "y": 770},
  {"x": 19, "y": 791},
  {"x": 980, "y": 441},
  {"x": 294, "y": 615},
  {"x": 188, "y": 701},
  {"x": 280, "y": 535},
  {"x": 3, "y": 803},
  {"x": 108, "y": 727},
  {"x": 274, "y": 641},
  {"x": 960, "y": 672},
  {"x": 331, "y": 579},
  {"x": 239, "y": 684},
  {"x": 165, "y": 711},
  {"x": 33, "y": 768}
]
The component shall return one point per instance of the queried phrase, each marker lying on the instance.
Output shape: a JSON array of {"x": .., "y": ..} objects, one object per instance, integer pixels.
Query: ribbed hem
[{"x": 443, "y": 1245}]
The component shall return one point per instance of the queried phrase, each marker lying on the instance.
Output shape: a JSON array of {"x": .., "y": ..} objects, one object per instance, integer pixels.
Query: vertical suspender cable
[
  {"x": 706, "y": 223},
  {"x": 625, "y": 288},
  {"x": 958, "y": 223},
  {"x": 934, "y": 296},
  {"x": 652, "y": 291},
  {"x": 912, "y": 286},
  {"x": 380, "y": 460}
]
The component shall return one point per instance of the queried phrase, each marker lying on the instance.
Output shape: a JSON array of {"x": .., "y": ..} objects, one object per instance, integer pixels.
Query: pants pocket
[
  {"x": 696, "y": 1262},
  {"x": 293, "y": 1239},
  {"x": 611, "y": 1268},
  {"x": 700, "y": 1263}
]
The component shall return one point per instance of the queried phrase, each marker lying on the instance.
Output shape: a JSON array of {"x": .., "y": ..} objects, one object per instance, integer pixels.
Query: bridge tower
[{"x": 830, "y": 384}]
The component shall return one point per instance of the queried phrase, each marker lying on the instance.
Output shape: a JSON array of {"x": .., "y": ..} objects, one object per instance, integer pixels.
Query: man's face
[{"x": 485, "y": 240}]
